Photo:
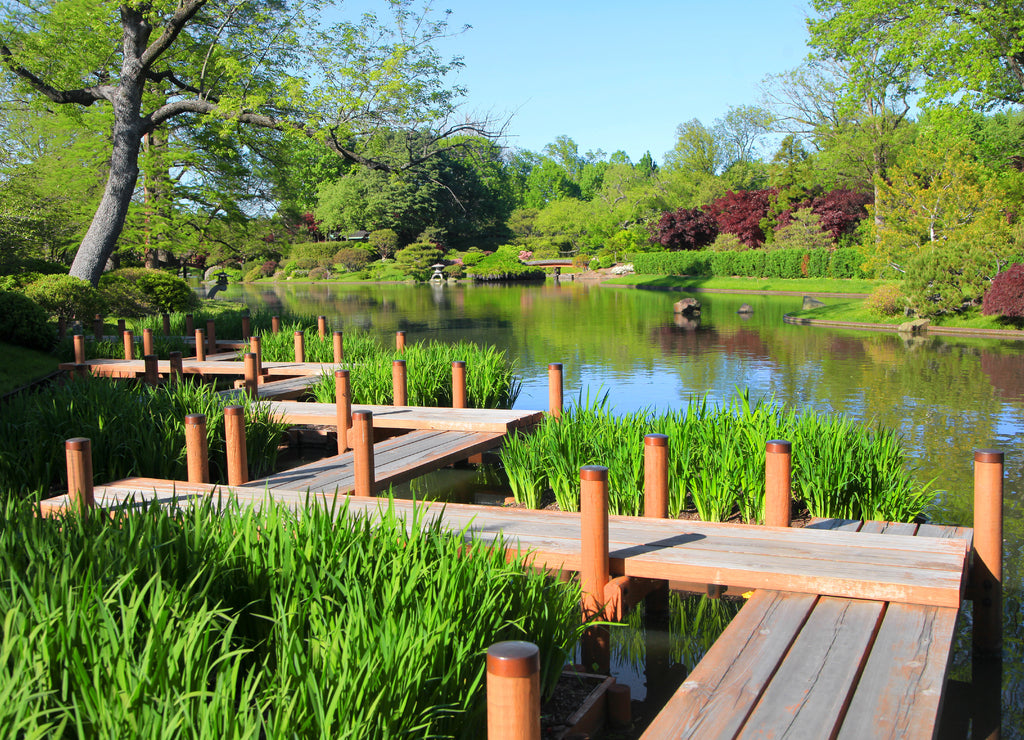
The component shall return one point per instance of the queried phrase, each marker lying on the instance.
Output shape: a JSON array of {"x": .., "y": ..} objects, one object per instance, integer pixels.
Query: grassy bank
[
  {"x": 858, "y": 312},
  {"x": 805, "y": 286},
  {"x": 21, "y": 366}
]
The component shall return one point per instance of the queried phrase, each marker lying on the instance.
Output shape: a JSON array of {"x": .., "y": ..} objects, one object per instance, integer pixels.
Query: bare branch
[{"x": 81, "y": 96}]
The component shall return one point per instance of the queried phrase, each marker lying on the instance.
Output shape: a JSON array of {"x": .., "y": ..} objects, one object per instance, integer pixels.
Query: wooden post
[
  {"x": 97, "y": 328},
  {"x": 151, "y": 375},
  {"x": 594, "y": 571},
  {"x": 211, "y": 337},
  {"x": 78, "y": 454},
  {"x": 176, "y": 373},
  {"x": 300, "y": 342},
  {"x": 513, "y": 691},
  {"x": 234, "y": 438},
  {"x": 399, "y": 384},
  {"x": 126, "y": 337},
  {"x": 400, "y": 341},
  {"x": 200, "y": 345},
  {"x": 362, "y": 423},
  {"x": 555, "y": 389},
  {"x": 343, "y": 406},
  {"x": 246, "y": 327},
  {"x": 656, "y": 476},
  {"x": 121, "y": 326},
  {"x": 458, "y": 384},
  {"x": 166, "y": 318},
  {"x": 251, "y": 375},
  {"x": 190, "y": 325},
  {"x": 79, "y": 340},
  {"x": 321, "y": 326},
  {"x": 256, "y": 347},
  {"x": 987, "y": 572},
  {"x": 196, "y": 451},
  {"x": 339, "y": 347},
  {"x": 275, "y": 324},
  {"x": 147, "y": 342},
  {"x": 777, "y": 483}
]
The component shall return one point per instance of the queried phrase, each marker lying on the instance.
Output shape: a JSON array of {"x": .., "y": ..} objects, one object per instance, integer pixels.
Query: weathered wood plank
[{"x": 412, "y": 417}]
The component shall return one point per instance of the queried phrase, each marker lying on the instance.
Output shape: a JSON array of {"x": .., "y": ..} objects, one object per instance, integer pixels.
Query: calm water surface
[{"x": 947, "y": 396}]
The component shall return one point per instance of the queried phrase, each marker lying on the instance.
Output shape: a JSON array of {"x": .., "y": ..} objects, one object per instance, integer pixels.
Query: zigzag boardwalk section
[
  {"x": 411, "y": 417},
  {"x": 204, "y": 368},
  {"x": 798, "y": 665}
]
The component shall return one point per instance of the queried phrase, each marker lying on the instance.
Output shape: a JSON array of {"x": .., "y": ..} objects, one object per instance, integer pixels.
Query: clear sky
[{"x": 619, "y": 75}]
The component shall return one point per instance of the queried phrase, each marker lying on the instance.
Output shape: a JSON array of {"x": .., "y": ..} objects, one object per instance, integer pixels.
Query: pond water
[{"x": 947, "y": 396}]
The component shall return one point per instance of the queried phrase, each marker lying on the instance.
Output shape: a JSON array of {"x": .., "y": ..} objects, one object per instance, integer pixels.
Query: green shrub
[
  {"x": 384, "y": 242},
  {"x": 784, "y": 263},
  {"x": 65, "y": 297},
  {"x": 320, "y": 273},
  {"x": 254, "y": 274},
  {"x": 24, "y": 322},
  {"x": 152, "y": 291},
  {"x": 416, "y": 259},
  {"x": 309, "y": 255},
  {"x": 727, "y": 242},
  {"x": 846, "y": 263},
  {"x": 886, "y": 300},
  {"x": 19, "y": 267},
  {"x": 352, "y": 259},
  {"x": 504, "y": 264}
]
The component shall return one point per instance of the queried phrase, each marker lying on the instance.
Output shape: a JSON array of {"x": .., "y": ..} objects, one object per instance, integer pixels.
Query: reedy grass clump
[
  {"x": 217, "y": 621},
  {"x": 134, "y": 429},
  {"x": 716, "y": 461}
]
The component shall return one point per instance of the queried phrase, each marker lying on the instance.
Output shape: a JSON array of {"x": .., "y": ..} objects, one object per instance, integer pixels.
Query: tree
[
  {"x": 221, "y": 64},
  {"x": 699, "y": 150},
  {"x": 741, "y": 213},
  {"x": 686, "y": 228}
]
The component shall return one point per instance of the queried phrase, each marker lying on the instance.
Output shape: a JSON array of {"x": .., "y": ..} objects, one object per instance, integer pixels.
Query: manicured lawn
[
  {"x": 818, "y": 285},
  {"x": 22, "y": 366},
  {"x": 855, "y": 311}
]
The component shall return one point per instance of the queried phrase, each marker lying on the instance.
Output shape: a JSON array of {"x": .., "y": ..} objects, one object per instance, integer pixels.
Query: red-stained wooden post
[
  {"x": 513, "y": 691},
  {"x": 987, "y": 572},
  {"x": 300, "y": 347},
  {"x": 458, "y": 384},
  {"x": 251, "y": 375},
  {"x": 166, "y": 319},
  {"x": 177, "y": 370},
  {"x": 777, "y": 483},
  {"x": 211, "y": 337},
  {"x": 200, "y": 345},
  {"x": 256, "y": 347},
  {"x": 97, "y": 328},
  {"x": 343, "y": 407},
  {"x": 147, "y": 342},
  {"x": 246, "y": 327},
  {"x": 594, "y": 569},
  {"x": 234, "y": 438},
  {"x": 151, "y": 374},
  {"x": 656, "y": 476},
  {"x": 275, "y": 324},
  {"x": 190, "y": 325},
  {"x": 362, "y": 424},
  {"x": 321, "y": 326},
  {"x": 196, "y": 452},
  {"x": 339, "y": 347},
  {"x": 555, "y": 389},
  {"x": 399, "y": 383},
  {"x": 78, "y": 454},
  {"x": 400, "y": 341},
  {"x": 79, "y": 340},
  {"x": 126, "y": 337}
]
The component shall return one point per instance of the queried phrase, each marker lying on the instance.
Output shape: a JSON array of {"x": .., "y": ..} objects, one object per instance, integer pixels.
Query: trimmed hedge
[{"x": 844, "y": 262}]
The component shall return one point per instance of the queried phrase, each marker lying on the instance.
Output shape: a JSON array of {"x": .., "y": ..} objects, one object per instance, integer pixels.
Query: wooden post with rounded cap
[
  {"x": 246, "y": 327},
  {"x": 97, "y": 328},
  {"x": 79, "y": 341},
  {"x": 151, "y": 363},
  {"x": 594, "y": 570},
  {"x": 987, "y": 571},
  {"x": 196, "y": 452},
  {"x": 300, "y": 346},
  {"x": 200, "y": 345},
  {"x": 121, "y": 326},
  {"x": 777, "y": 483},
  {"x": 147, "y": 342},
  {"x": 555, "y": 389},
  {"x": 362, "y": 424},
  {"x": 126, "y": 337},
  {"x": 399, "y": 383},
  {"x": 190, "y": 325},
  {"x": 339, "y": 347},
  {"x": 400, "y": 341},
  {"x": 343, "y": 407},
  {"x": 211, "y": 337},
  {"x": 458, "y": 384},
  {"x": 252, "y": 375},
  {"x": 513, "y": 691},
  {"x": 166, "y": 320},
  {"x": 234, "y": 438},
  {"x": 321, "y": 326},
  {"x": 177, "y": 369},
  {"x": 256, "y": 347},
  {"x": 656, "y": 476},
  {"x": 78, "y": 454},
  {"x": 275, "y": 324}
]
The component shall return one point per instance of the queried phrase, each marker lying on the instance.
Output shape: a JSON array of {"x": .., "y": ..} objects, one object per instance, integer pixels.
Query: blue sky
[{"x": 619, "y": 75}]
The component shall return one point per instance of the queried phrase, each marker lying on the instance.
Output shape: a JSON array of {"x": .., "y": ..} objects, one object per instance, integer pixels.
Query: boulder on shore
[
  {"x": 812, "y": 303},
  {"x": 917, "y": 326}
]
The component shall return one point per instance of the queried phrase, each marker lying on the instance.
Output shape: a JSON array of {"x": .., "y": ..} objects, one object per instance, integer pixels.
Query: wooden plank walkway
[
  {"x": 412, "y": 417},
  {"x": 799, "y": 665},
  {"x": 278, "y": 390},
  {"x": 206, "y": 368}
]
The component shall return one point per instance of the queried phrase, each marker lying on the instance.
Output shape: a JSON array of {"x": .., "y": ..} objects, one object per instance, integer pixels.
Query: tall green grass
[
  {"x": 212, "y": 621},
  {"x": 135, "y": 430},
  {"x": 716, "y": 461}
]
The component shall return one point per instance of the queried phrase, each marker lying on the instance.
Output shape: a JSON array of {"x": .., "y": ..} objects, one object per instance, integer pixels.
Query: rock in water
[
  {"x": 744, "y": 308},
  {"x": 687, "y": 307}
]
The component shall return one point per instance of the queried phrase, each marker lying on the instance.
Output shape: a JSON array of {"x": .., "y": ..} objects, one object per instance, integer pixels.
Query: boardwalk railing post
[
  {"x": 400, "y": 341},
  {"x": 555, "y": 389},
  {"x": 121, "y": 326},
  {"x": 234, "y": 438},
  {"x": 78, "y": 452},
  {"x": 79, "y": 341},
  {"x": 594, "y": 571},
  {"x": 656, "y": 476},
  {"x": 151, "y": 376},
  {"x": 147, "y": 342},
  {"x": 458, "y": 384},
  {"x": 200, "y": 345},
  {"x": 513, "y": 691},
  {"x": 399, "y": 383},
  {"x": 321, "y": 326},
  {"x": 126, "y": 337},
  {"x": 166, "y": 320},
  {"x": 251, "y": 375},
  {"x": 97, "y": 328},
  {"x": 256, "y": 347},
  {"x": 246, "y": 327},
  {"x": 777, "y": 483},
  {"x": 339, "y": 347},
  {"x": 211, "y": 337},
  {"x": 275, "y": 324},
  {"x": 300, "y": 347},
  {"x": 174, "y": 376},
  {"x": 362, "y": 423},
  {"x": 196, "y": 451},
  {"x": 190, "y": 325},
  {"x": 987, "y": 573},
  {"x": 343, "y": 407}
]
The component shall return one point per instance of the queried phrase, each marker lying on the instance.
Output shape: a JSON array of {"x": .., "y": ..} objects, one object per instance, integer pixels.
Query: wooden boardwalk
[
  {"x": 204, "y": 368},
  {"x": 412, "y": 417}
]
